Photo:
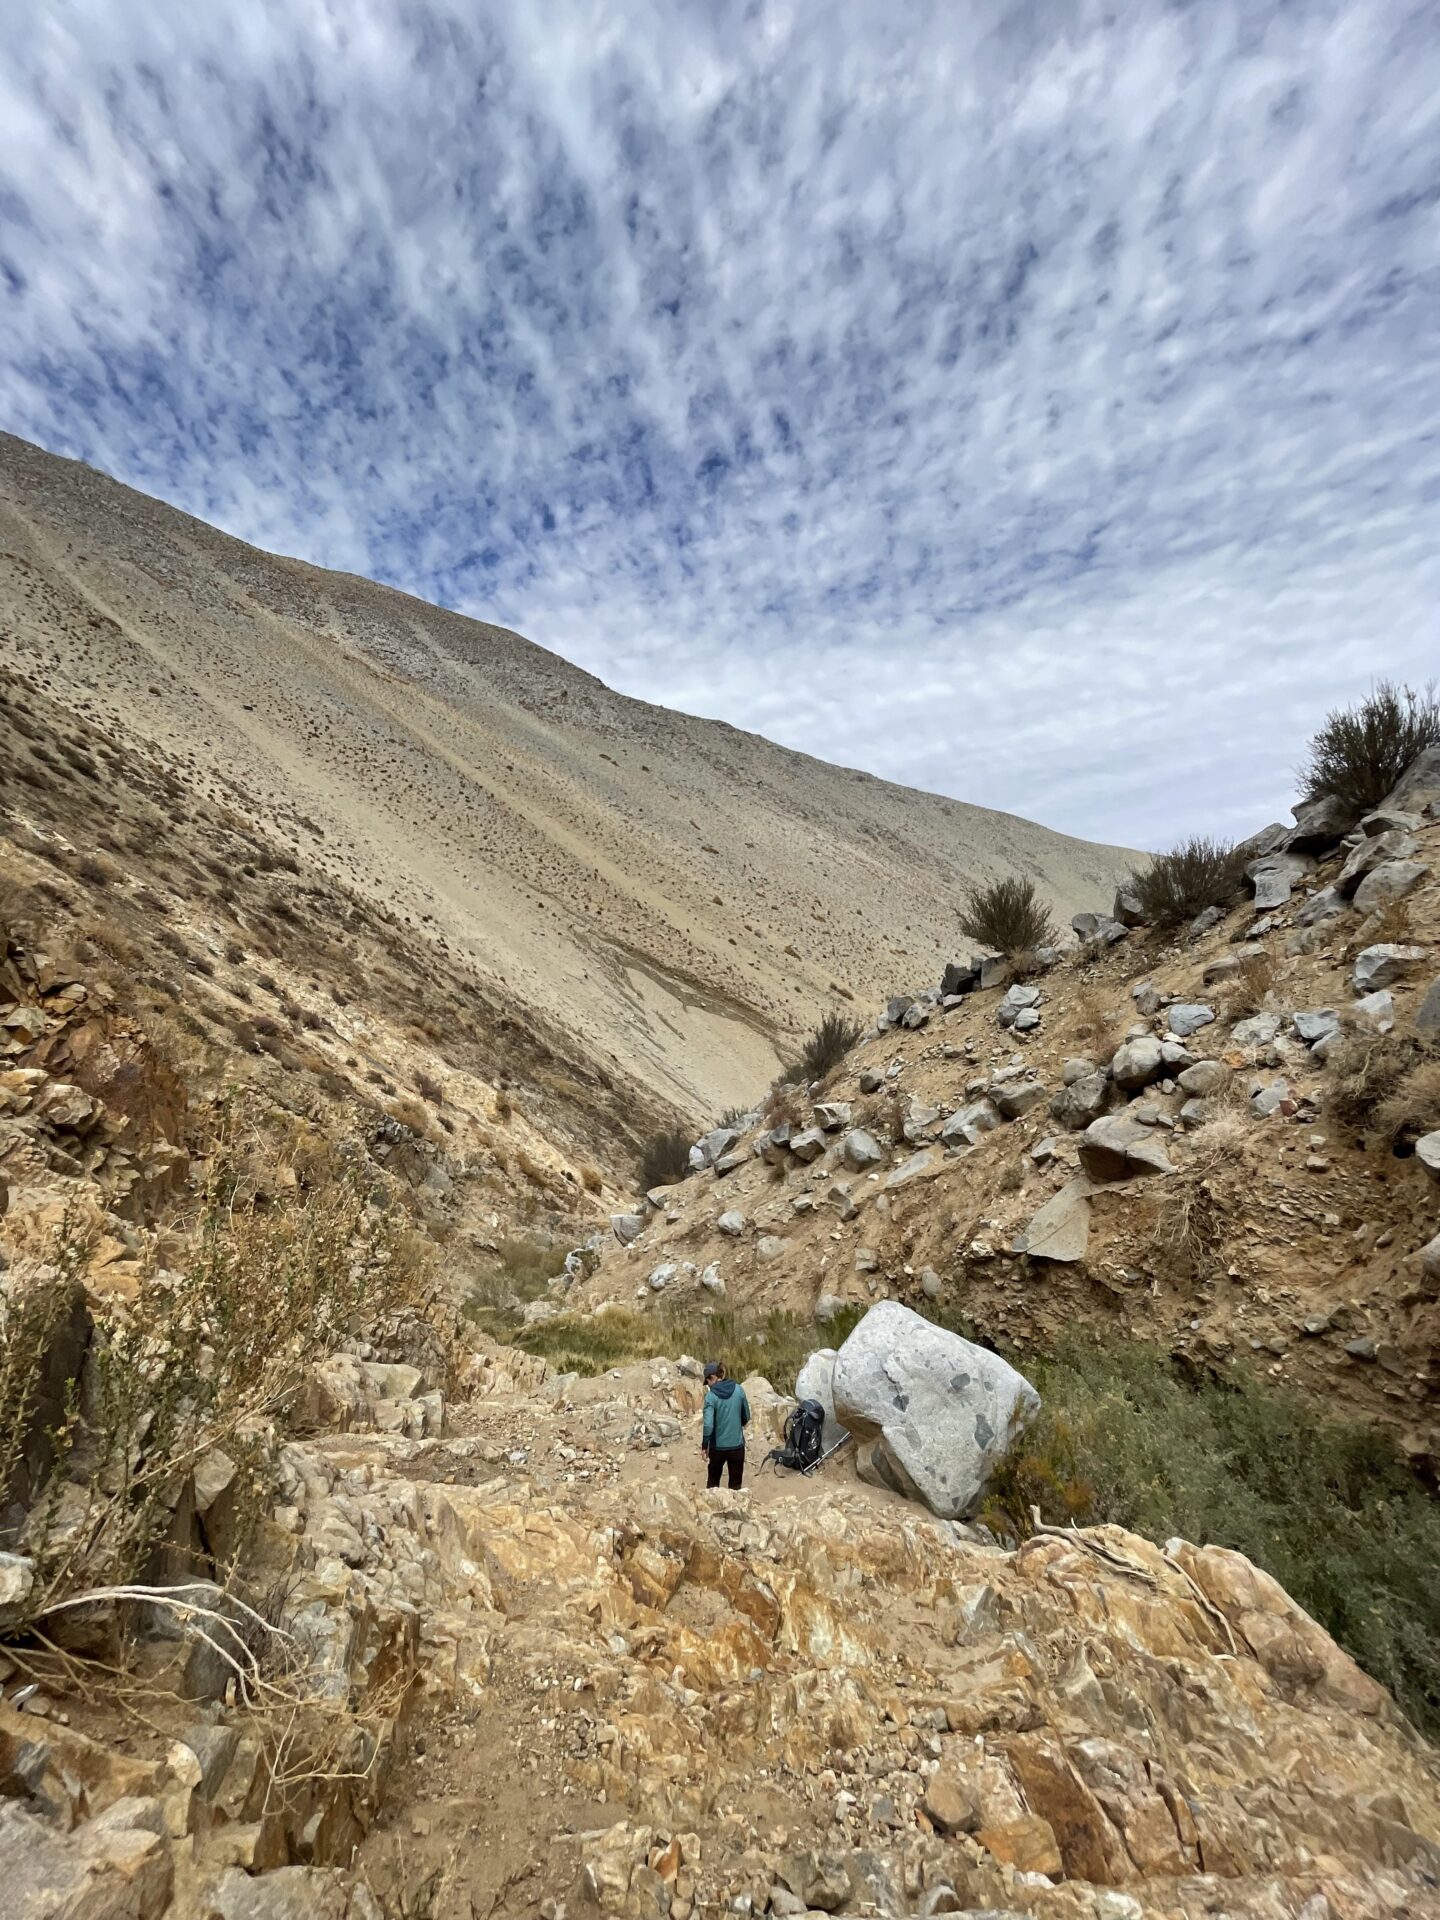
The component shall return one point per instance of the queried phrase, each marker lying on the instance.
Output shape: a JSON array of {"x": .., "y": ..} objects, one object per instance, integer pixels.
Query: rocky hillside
[
  {"x": 681, "y": 898},
  {"x": 1214, "y": 1140}
]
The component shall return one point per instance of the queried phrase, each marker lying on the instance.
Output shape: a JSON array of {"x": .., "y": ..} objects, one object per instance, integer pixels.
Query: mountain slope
[{"x": 684, "y": 897}]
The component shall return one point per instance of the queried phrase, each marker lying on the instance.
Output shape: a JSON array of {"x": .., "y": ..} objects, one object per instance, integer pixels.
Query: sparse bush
[
  {"x": 429, "y": 1088},
  {"x": 591, "y": 1178},
  {"x": 1197, "y": 874},
  {"x": 1369, "y": 1071},
  {"x": 1361, "y": 751},
  {"x": 1328, "y": 1509},
  {"x": 1006, "y": 915},
  {"x": 828, "y": 1045},
  {"x": 664, "y": 1159},
  {"x": 199, "y": 1359},
  {"x": 1250, "y": 985},
  {"x": 1413, "y": 1107}
]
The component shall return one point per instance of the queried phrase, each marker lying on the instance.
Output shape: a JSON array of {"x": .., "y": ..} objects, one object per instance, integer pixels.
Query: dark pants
[{"x": 732, "y": 1459}]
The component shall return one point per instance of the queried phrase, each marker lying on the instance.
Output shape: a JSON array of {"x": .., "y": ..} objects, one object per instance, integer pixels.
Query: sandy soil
[{"x": 685, "y": 897}]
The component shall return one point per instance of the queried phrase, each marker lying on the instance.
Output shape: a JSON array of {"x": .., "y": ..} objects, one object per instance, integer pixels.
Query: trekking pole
[{"x": 815, "y": 1465}]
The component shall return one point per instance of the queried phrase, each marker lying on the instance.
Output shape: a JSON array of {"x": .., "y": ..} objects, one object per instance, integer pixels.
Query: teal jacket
[{"x": 727, "y": 1414}]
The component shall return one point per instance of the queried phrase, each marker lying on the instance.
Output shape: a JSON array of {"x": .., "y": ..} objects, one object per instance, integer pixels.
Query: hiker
[{"x": 727, "y": 1414}]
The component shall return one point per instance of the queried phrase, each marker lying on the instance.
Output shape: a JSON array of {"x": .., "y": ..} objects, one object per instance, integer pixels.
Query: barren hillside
[{"x": 682, "y": 897}]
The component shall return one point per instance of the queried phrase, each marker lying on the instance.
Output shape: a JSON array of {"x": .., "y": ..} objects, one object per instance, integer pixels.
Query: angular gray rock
[
  {"x": 808, "y": 1144},
  {"x": 627, "y": 1226},
  {"x": 1378, "y": 1010},
  {"x": 1018, "y": 999},
  {"x": 1027, "y": 1020},
  {"x": 1257, "y": 1033},
  {"x": 1060, "y": 1231},
  {"x": 816, "y": 1381},
  {"x": 960, "y": 977},
  {"x": 937, "y": 1411},
  {"x": 968, "y": 1123},
  {"x": 896, "y": 1007},
  {"x": 1014, "y": 1097},
  {"x": 1390, "y": 820},
  {"x": 860, "y": 1150},
  {"x": 1119, "y": 1148},
  {"x": 1098, "y": 928},
  {"x": 1077, "y": 1104},
  {"x": 1127, "y": 911},
  {"x": 915, "y": 1017},
  {"x": 1371, "y": 854},
  {"x": 1275, "y": 877},
  {"x": 832, "y": 1115},
  {"x": 1269, "y": 1099},
  {"x": 1324, "y": 905},
  {"x": 708, "y": 1149},
  {"x": 1419, "y": 784},
  {"x": 1430, "y": 1260},
  {"x": 1390, "y": 881},
  {"x": 769, "y": 1247},
  {"x": 871, "y": 1080},
  {"x": 711, "y": 1281},
  {"x": 1315, "y": 1024},
  {"x": 911, "y": 1168},
  {"x": 1383, "y": 965},
  {"x": 1321, "y": 823},
  {"x": 1137, "y": 1063},
  {"x": 1427, "y": 1014},
  {"x": 1076, "y": 1069},
  {"x": 731, "y": 1222},
  {"x": 1188, "y": 1018},
  {"x": 728, "y": 1162},
  {"x": 1427, "y": 1152}
]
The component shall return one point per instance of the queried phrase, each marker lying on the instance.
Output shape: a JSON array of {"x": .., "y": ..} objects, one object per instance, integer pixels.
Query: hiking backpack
[{"x": 804, "y": 1435}]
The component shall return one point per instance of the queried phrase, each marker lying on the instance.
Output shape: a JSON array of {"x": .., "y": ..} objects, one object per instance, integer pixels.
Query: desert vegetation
[
  {"x": 1328, "y": 1508},
  {"x": 1007, "y": 916},
  {"x": 1199, "y": 872},
  {"x": 1361, "y": 751},
  {"x": 664, "y": 1158}
]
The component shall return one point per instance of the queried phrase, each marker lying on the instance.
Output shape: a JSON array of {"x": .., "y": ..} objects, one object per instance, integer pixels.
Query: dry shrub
[
  {"x": 201, "y": 1359},
  {"x": 828, "y": 1045},
  {"x": 1006, "y": 915},
  {"x": 1389, "y": 925},
  {"x": 1246, "y": 992},
  {"x": 1182, "y": 883},
  {"x": 1361, "y": 752},
  {"x": 1369, "y": 1071},
  {"x": 664, "y": 1159},
  {"x": 410, "y": 1114},
  {"x": 1097, "y": 1021},
  {"x": 782, "y": 1104},
  {"x": 1413, "y": 1107},
  {"x": 591, "y": 1179},
  {"x": 429, "y": 1088}
]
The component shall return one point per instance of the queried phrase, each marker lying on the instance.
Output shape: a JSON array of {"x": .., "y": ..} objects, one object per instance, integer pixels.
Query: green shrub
[
  {"x": 1328, "y": 1509},
  {"x": 1006, "y": 915},
  {"x": 1361, "y": 751},
  {"x": 664, "y": 1158},
  {"x": 1197, "y": 874}
]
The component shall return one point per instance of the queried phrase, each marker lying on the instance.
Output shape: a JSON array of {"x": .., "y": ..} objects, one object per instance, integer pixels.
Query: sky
[{"x": 1037, "y": 401}]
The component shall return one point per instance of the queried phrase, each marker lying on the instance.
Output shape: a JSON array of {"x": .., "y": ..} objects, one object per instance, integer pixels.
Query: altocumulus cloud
[{"x": 1036, "y": 402}]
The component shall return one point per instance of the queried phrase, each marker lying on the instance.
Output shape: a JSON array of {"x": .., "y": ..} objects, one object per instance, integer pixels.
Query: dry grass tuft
[{"x": 1369, "y": 1074}]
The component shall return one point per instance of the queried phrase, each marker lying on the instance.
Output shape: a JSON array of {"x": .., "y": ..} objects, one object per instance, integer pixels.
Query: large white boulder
[
  {"x": 816, "y": 1381},
  {"x": 933, "y": 1412}
]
